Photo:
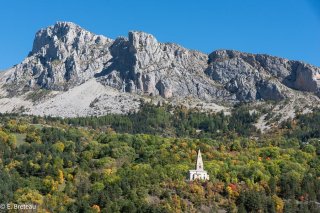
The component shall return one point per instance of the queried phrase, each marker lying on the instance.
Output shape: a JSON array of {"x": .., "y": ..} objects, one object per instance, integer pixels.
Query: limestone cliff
[{"x": 65, "y": 56}]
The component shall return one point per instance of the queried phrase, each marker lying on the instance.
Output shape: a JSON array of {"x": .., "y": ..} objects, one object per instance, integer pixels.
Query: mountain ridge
[{"x": 64, "y": 56}]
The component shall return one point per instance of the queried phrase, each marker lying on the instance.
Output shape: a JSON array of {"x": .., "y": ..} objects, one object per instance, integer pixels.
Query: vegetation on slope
[{"x": 139, "y": 163}]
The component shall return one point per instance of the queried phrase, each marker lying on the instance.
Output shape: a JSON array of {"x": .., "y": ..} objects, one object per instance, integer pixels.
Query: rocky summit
[{"x": 65, "y": 59}]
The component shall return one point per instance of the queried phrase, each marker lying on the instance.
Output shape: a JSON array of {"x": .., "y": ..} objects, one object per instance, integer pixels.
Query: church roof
[{"x": 199, "y": 164}]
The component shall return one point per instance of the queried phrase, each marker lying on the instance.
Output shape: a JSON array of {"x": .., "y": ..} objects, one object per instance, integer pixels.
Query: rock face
[
  {"x": 256, "y": 76},
  {"x": 140, "y": 64},
  {"x": 65, "y": 56}
]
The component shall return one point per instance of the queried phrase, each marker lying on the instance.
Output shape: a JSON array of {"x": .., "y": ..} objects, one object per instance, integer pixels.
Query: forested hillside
[{"x": 139, "y": 162}]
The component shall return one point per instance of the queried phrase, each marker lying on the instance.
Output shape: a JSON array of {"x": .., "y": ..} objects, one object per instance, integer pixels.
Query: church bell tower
[
  {"x": 199, "y": 165},
  {"x": 199, "y": 172}
]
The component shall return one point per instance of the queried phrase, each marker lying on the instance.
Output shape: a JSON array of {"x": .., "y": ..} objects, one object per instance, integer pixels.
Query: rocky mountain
[
  {"x": 66, "y": 61},
  {"x": 63, "y": 56},
  {"x": 253, "y": 77}
]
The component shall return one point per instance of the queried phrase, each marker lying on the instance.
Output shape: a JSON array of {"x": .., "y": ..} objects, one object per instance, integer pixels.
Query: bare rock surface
[
  {"x": 89, "y": 98},
  {"x": 77, "y": 73},
  {"x": 255, "y": 76},
  {"x": 63, "y": 55}
]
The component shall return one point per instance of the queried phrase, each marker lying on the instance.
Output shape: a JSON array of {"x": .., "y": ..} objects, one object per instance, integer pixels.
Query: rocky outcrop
[
  {"x": 242, "y": 75},
  {"x": 304, "y": 77},
  {"x": 65, "y": 55},
  {"x": 256, "y": 76},
  {"x": 140, "y": 64}
]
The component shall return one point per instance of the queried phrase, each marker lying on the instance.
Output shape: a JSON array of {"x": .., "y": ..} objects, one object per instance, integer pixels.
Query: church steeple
[
  {"x": 199, "y": 172},
  {"x": 199, "y": 165}
]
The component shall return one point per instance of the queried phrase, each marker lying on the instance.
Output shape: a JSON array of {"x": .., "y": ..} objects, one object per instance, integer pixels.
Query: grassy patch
[
  {"x": 21, "y": 138},
  {"x": 37, "y": 126}
]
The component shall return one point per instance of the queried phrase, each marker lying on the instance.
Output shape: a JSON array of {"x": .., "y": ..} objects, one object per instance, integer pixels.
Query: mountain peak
[
  {"x": 65, "y": 24},
  {"x": 141, "y": 35},
  {"x": 61, "y": 31},
  {"x": 65, "y": 55},
  {"x": 62, "y": 26}
]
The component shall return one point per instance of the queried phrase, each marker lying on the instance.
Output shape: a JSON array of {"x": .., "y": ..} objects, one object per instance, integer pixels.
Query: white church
[{"x": 199, "y": 173}]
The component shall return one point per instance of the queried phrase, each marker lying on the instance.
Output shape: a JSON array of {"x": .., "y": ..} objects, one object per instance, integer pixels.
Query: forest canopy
[{"x": 139, "y": 162}]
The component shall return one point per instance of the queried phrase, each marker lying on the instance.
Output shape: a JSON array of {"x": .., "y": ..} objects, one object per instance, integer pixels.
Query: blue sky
[{"x": 285, "y": 28}]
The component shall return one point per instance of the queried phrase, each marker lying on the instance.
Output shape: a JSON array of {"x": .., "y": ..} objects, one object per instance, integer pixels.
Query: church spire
[
  {"x": 199, "y": 165},
  {"x": 199, "y": 172}
]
